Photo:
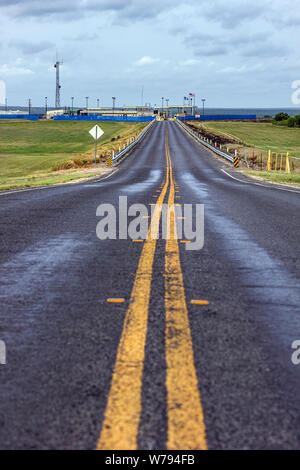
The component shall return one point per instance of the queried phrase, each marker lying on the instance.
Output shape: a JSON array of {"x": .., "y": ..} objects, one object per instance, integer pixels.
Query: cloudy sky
[{"x": 234, "y": 53}]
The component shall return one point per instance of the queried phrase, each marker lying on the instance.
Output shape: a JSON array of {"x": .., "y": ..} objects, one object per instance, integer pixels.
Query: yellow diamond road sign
[{"x": 96, "y": 132}]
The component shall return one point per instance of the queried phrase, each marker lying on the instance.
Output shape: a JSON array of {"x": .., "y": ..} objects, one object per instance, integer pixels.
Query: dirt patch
[{"x": 219, "y": 140}]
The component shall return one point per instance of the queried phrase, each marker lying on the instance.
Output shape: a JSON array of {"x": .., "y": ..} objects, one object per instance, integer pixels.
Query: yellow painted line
[
  {"x": 123, "y": 409},
  {"x": 138, "y": 241},
  {"x": 185, "y": 241},
  {"x": 181, "y": 218},
  {"x": 200, "y": 302},
  {"x": 186, "y": 428},
  {"x": 115, "y": 300},
  {"x": 146, "y": 216}
]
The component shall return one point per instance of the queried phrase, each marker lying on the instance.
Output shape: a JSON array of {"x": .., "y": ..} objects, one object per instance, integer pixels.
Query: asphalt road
[{"x": 155, "y": 371}]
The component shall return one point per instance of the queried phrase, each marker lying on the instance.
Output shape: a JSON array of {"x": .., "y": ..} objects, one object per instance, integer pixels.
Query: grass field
[
  {"x": 275, "y": 177},
  {"x": 265, "y": 136},
  {"x": 30, "y": 151}
]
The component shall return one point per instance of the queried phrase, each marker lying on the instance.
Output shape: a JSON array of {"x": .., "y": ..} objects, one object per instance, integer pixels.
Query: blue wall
[
  {"x": 105, "y": 118},
  {"x": 209, "y": 117},
  {"x": 218, "y": 117},
  {"x": 30, "y": 117}
]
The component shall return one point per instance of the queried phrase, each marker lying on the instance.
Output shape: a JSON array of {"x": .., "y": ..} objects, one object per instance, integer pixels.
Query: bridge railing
[
  {"x": 115, "y": 158},
  {"x": 219, "y": 152}
]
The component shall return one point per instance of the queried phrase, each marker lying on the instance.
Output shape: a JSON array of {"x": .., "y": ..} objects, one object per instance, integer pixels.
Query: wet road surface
[{"x": 154, "y": 371}]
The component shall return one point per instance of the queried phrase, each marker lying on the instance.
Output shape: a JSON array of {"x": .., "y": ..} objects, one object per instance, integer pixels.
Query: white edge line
[
  {"x": 259, "y": 184},
  {"x": 249, "y": 182},
  {"x": 39, "y": 188}
]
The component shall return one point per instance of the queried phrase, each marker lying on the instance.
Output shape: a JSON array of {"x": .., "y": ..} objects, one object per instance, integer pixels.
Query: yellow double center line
[{"x": 186, "y": 428}]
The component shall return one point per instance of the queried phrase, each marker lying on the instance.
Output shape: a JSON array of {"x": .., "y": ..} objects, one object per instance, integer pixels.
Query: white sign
[
  {"x": 96, "y": 132},
  {"x": 2, "y": 92}
]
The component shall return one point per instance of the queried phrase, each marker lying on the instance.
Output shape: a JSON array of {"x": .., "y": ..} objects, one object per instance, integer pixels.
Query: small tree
[
  {"x": 297, "y": 120},
  {"x": 281, "y": 116},
  {"x": 291, "y": 122}
]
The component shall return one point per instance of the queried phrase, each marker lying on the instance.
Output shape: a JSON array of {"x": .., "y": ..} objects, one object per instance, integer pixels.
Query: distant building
[
  {"x": 167, "y": 111},
  {"x": 17, "y": 111},
  {"x": 55, "y": 112}
]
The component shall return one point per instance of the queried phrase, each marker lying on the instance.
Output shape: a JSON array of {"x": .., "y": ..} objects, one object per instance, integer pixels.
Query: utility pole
[
  {"x": 167, "y": 101},
  {"x": 72, "y": 100},
  {"x": 86, "y": 102},
  {"x": 29, "y": 106},
  {"x": 162, "y": 104},
  {"x": 203, "y": 101},
  {"x": 114, "y": 104},
  {"x": 58, "y": 85},
  {"x": 98, "y": 103},
  {"x": 46, "y": 105}
]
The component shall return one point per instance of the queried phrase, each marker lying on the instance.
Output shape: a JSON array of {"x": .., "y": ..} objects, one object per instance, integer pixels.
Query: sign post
[{"x": 96, "y": 132}]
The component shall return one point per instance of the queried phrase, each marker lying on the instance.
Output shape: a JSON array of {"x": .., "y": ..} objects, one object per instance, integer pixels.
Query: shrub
[
  {"x": 291, "y": 122},
  {"x": 297, "y": 120},
  {"x": 281, "y": 116},
  {"x": 281, "y": 123}
]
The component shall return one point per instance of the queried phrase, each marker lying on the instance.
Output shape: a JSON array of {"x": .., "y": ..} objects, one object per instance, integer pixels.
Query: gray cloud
[
  {"x": 36, "y": 8},
  {"x": 133, "y": 9},
  {"x": 265, "y": 51},
  {"x": 247, "y": 45},
  {"x": 234, "y": 13},
  {"x": 210, "y": 50},
  {"x": 32, "y": 47},
  {"x": 176, "y": 41}
]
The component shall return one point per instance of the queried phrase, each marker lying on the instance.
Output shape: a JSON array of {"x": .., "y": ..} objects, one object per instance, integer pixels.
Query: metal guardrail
[
  {"x": 206, "y": 144},
  {"x": 132, "y": 144}
]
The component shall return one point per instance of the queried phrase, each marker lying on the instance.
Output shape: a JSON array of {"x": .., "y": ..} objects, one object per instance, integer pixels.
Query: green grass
[
  {"x": 54, "y": 137},
  {"x": 275, "y": 177},
  {"x": 33, "y": 149},
  {"x": 265, "y": 136},
  {"x": 43, "y": 181}
]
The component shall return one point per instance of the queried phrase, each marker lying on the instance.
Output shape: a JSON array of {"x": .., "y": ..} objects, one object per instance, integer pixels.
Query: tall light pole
[
  {"x": 46, "y": 105},
  {"x": 167, "y": 101},
  {"x": 98, "y": 101},
  {"x": 58, "y": 85},
  {"x": 162, "y": 104},
  {"x": 86, "y": 102},
  {"x": 29, "y": 106},
  {"x": 203, "y": 101},
  {"x": 114, "y": 104},
  {"x": 184, "y": 102},
  {"x": 6, "y": 104},
  {"x": 72, "y": 105}
]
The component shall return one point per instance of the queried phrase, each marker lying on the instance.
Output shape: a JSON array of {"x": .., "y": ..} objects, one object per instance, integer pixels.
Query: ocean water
[{"x": 260, "y": 112}]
